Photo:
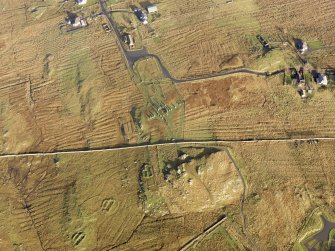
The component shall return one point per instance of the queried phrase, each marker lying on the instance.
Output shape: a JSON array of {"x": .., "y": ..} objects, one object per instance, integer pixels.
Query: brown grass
[
  {"x": 286, "y": 181},
  {"x": 250, "y": 107},
  {"x": 98, "y": 201}
]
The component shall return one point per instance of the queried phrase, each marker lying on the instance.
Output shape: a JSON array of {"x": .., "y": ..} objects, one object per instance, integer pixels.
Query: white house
[
  {"x": 304, "y": 47},
  {"x": 322, "y": 80},
  {"x": 77, "y": 22},
  {"x": 81, "y": 2},
  {"x": 152, "y": 9},
  {"x": 301, "y": 46},
  {"x": 131, "y": 41},
  {"x": 83, "y": 22}
]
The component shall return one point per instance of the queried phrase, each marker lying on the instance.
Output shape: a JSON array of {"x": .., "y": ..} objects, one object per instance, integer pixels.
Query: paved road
[
  {"x": 321, "y": 237},
  {"x": 180, "y": 143},
  {"x": 133, "y": 56}
]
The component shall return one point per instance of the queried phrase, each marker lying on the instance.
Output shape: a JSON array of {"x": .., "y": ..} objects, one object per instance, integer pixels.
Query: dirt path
[
  {"x": 202, "y": 235},
  {"x": 244, "y": 189},
  {"x": 244, "y": 228}
]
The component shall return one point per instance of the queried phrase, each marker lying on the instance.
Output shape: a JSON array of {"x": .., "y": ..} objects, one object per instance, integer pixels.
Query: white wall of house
[
  {"x": 81, "y": 2},
  {"x": 152, "y": 9}
]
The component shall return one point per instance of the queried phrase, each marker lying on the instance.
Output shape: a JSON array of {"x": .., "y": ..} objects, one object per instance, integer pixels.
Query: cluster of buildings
[
  {"x": 75, "y": 21},
  {"x": 299, "y": 77},
  {"x": 142, "y": 16},
  {"x": 304, "y": 85},
  {"x": 78, "y": 22}
]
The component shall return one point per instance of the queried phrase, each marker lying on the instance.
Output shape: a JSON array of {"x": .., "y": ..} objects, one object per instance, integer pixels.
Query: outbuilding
[
  {"x": 322, "y": 80},
  {"x": 83, "y": 22},
  {"x": 152, "y": 9},
  {"x": 75, "y": 21},
  {"x": 301, "y": 45},
  {"x": 131, "y": 41},
  {"x": 128, "y": 39},
  {"x": 81, "y": 2},
  {"x": 141, "y": 16}
]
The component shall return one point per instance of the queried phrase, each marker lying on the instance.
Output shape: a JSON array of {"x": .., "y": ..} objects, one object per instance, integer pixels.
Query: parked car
[{"x": 106, "y": 27}]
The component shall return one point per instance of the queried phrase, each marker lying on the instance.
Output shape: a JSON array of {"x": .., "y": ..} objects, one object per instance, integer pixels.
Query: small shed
[
  {"x": 304, "y": 47},
  {"x": 128, "y": 39},
  {"x": 152, "y": 9},
  {"x": 131, "y": 41},
  {"x": 81, "y": 2}
]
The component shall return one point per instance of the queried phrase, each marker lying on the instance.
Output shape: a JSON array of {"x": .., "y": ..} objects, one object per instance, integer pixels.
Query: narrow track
[{"x": 202, "y": 235}]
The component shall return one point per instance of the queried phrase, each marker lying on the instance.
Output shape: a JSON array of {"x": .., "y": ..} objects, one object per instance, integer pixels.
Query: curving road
[
  {"x": 132, "y": 56},
  {"x": 167, "y": 74}
]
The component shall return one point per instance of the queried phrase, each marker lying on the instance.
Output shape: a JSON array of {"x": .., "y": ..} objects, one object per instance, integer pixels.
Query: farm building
[
  {"x": 129, "y": 40},
  {"x": 152, "y": 9},
  {"x": 76, "y": 22},
  {"x": 81, "y": 2},
  {"x": 322, "y": 80},
  {"x": 141, "y": 16},
  {"x": 301, "y": 46},
  {"x": 83, "y": 22}
]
